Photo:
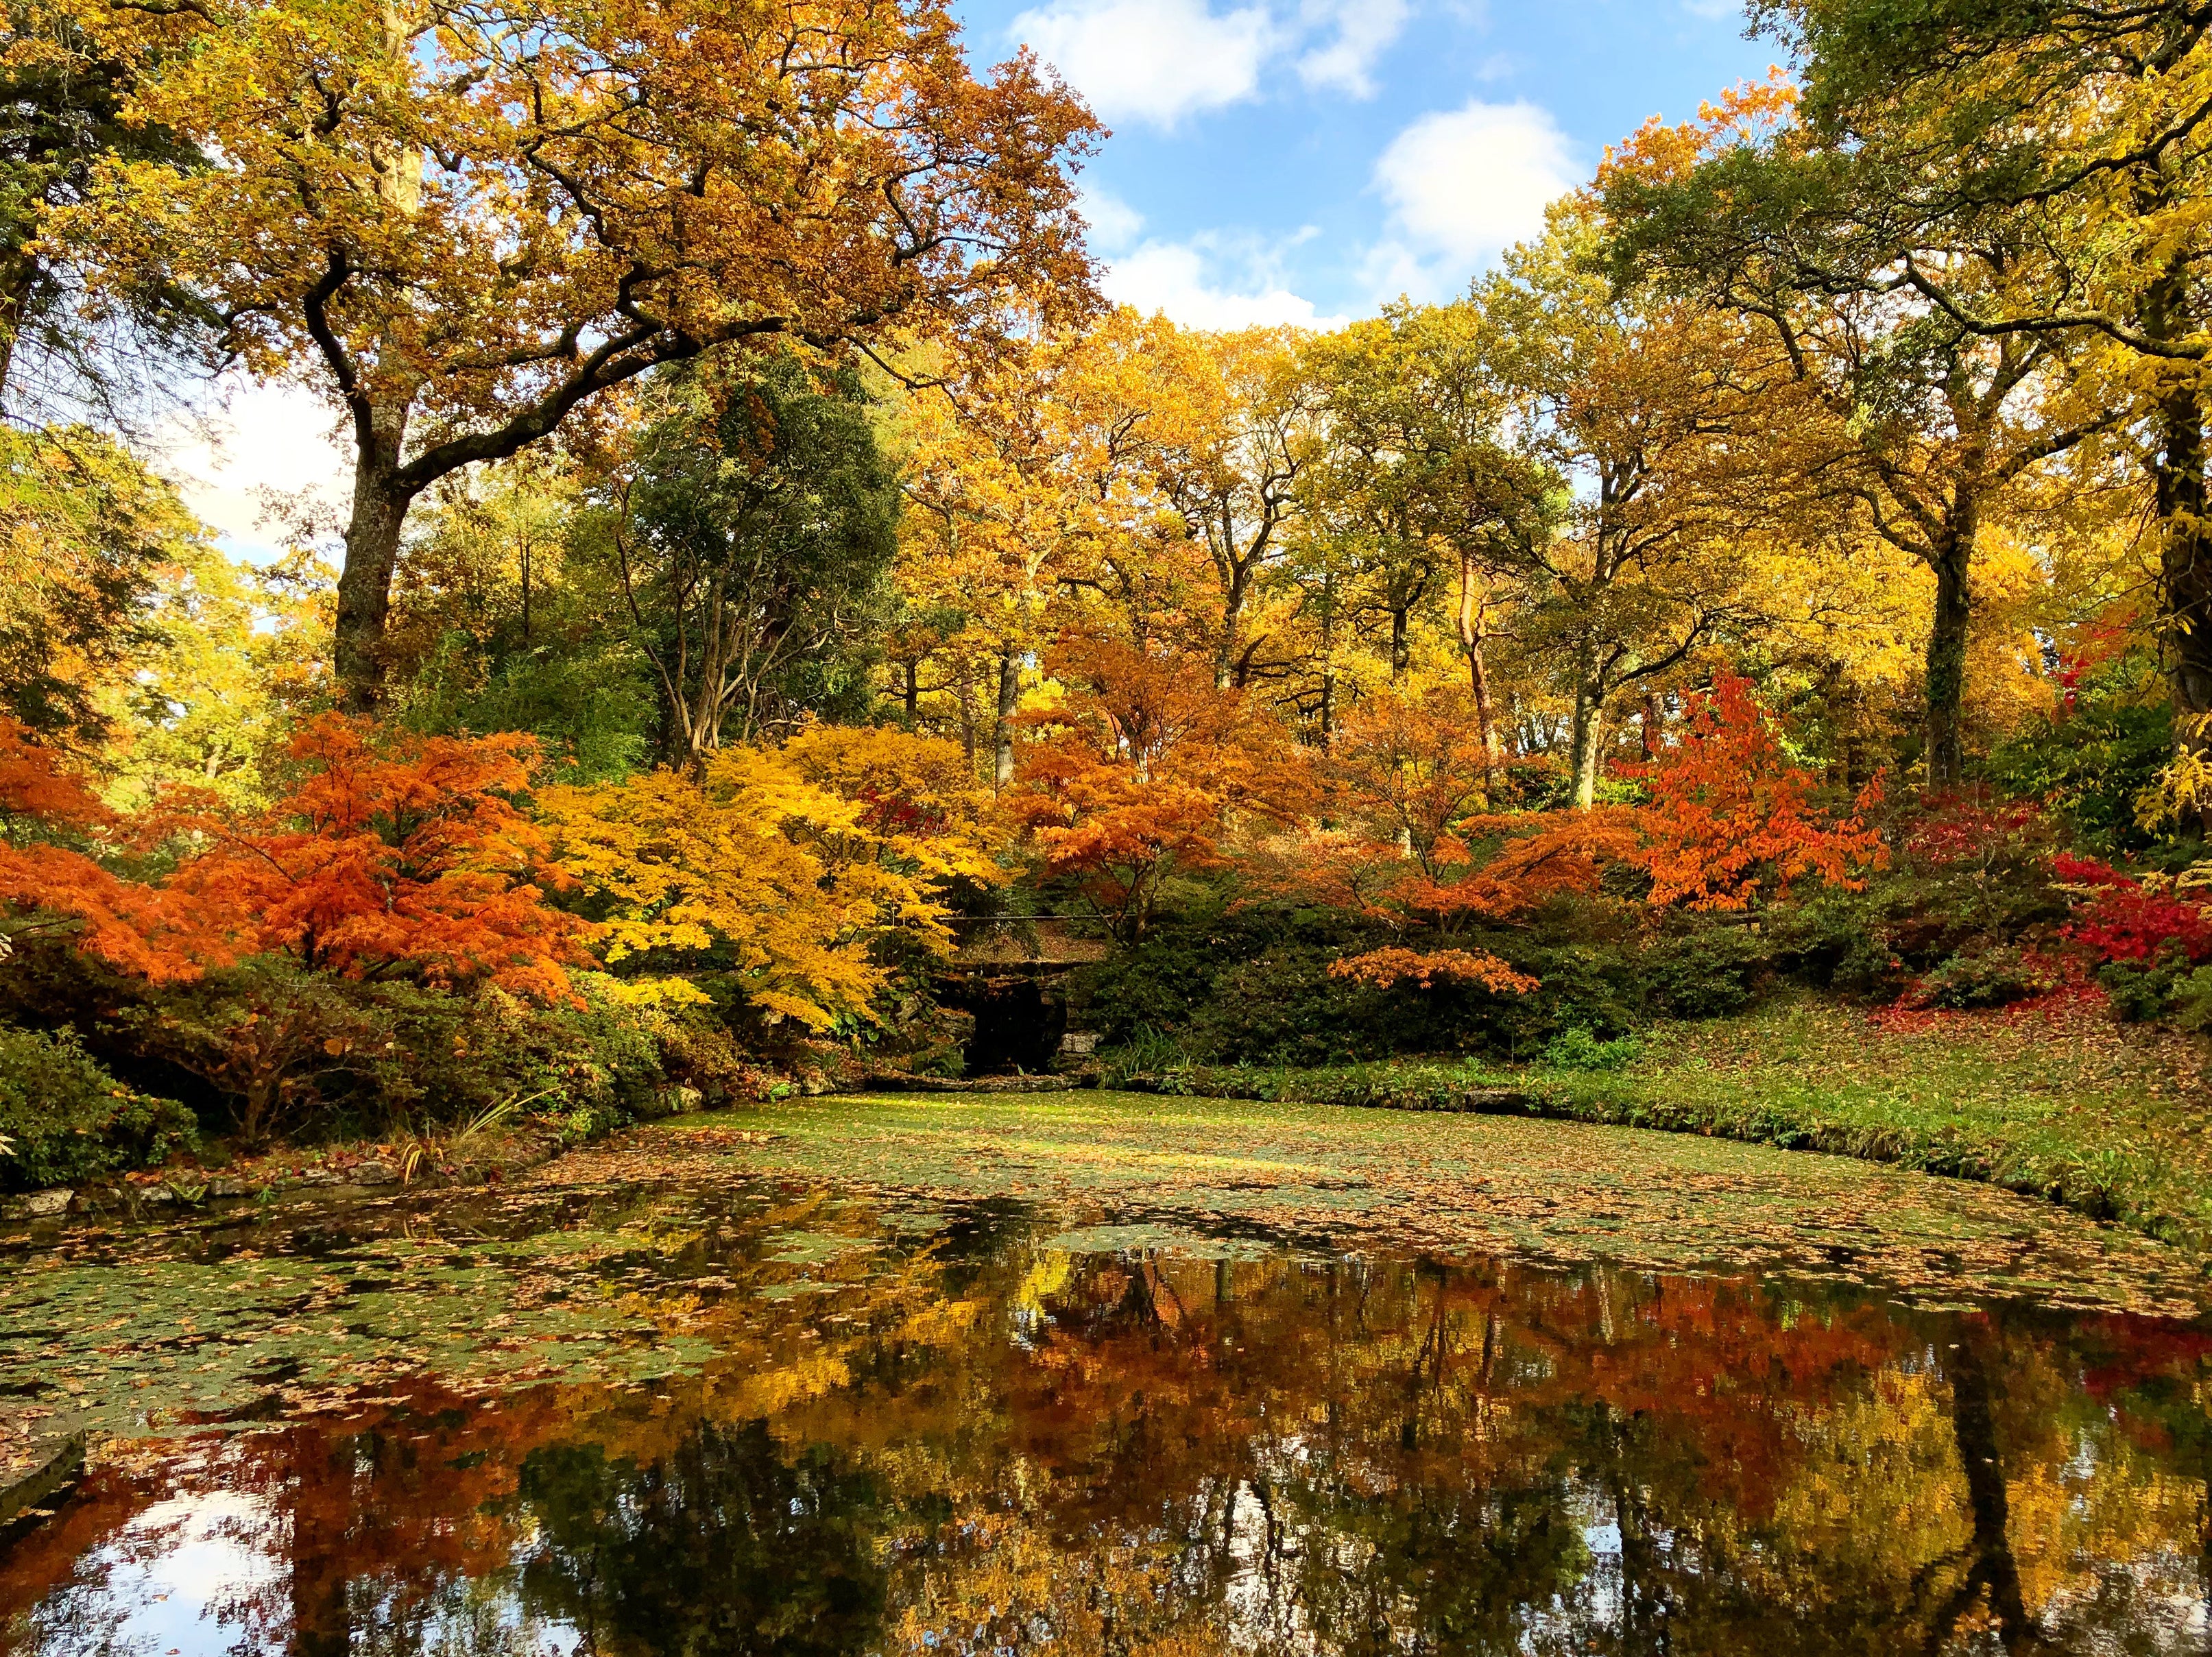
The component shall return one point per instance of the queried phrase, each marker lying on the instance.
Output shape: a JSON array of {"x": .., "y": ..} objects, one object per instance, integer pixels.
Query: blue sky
[
  {"x": 1272, "y": 160},
  {"x": 1307, "y": 159}
]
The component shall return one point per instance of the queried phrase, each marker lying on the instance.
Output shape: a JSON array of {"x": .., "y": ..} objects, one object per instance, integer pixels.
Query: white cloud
[
  {"x": 260, "y": 440},
  {"x": 1151, "y": 60},
  {"x": 1213, "y": 280},
  {"x": 1159, "y": 61},
  {"x": 1113, "y": 223},
  {"x": 1364, "y": 30},
  {"x": 1462, "y": 185}
]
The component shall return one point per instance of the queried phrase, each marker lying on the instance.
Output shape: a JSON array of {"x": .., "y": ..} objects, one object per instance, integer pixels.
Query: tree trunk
[
  {"x": 1225, "y": 658},
  {"x": 1946, "y": 662},
  {"x": 2185, "y": 547},
  {"x": 371, "y": 554},
  {"x": 1401, "y": 644},
  {"x": 1582, "y": 749},
  {"x": 964, "y": 693},
  {"x": 1993, "y": 1570},
  {"x": 1328, "y": 658},
  {"x": 319, "y": 1559},
  {"x": 912, "y": 694},
  {"x": 1237, "y": 581},
  {"x": 1010, "y": 695},
  {"x": 380, "y": 502},
  {"x": 1473, "y": 634},
  {"x": 18, "y": 272}
]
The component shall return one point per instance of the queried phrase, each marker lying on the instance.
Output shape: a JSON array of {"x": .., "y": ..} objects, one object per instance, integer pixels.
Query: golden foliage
[{"x": 798, "y": 864}]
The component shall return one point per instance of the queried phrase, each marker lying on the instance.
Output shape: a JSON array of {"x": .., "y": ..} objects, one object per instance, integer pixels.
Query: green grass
[{"x": 2055, "y": 1102}]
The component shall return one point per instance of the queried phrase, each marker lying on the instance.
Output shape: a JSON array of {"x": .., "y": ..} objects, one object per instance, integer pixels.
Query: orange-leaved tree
[
  {"x": 793, "y": 873},
  {"x": 1408, "y": 780},
  {"x": 1393, "y": 965},
  {"x": 1143, "y": 770},
  {"x": 388, "y": 856},
  {"x": 48, "y": 888},
  {"x": 1732, "y": 817}
]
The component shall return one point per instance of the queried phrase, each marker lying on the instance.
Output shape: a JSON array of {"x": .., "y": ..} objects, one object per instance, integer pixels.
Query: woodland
[{"x": 1767, "y": 617}]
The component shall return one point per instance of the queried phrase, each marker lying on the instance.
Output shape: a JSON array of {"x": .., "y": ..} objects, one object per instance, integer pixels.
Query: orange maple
[
  {"x": 136, "y": 927},
  {"x": 1409, "y": 779},
  {"x": 1732, "y": 817},
  {"x": 1394, "y": 965},
  {"x": 1143, "y": 771},
  {"x": 390, "y": 856}
]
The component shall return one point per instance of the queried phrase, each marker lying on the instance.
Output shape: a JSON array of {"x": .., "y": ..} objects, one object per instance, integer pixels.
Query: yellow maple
[{"x": 801, "y": 872}]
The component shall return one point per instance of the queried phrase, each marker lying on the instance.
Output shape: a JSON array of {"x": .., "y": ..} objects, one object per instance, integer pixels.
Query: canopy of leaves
[
  {"x": 792, "y": 872},
  {"x": 385, "y": 855}
]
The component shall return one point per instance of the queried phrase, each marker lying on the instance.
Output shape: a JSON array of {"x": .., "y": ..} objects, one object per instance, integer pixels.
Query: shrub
[
  {"x": 66, "y": 1119},
  {"x": 1284, "y": 1007},
  {"x": 2140, "y": 993},
  {"x": 1991, "y": 978},
  {"x": 1147, "y": 1051},
  {"x": 2189, "y": 1005},
  {"x": 440, "y": 1057},
  {"x": 2109, "y": 741},
  {"x": 289, "y": 1049},
  {"x": 1707, "y": 974},
  {"x": 1159, "y": 984},
  {"x": 1578, "y": 1049},
  {"x": 2119, "y": 918}
]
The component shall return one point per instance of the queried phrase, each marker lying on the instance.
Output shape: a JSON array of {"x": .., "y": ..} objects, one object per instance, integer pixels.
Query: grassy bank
[{"x": 2055, "y": 1102}]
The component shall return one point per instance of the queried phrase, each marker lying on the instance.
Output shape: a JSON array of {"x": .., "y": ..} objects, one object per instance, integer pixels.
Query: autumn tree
[
  {"x": 992, "y": 508},
  {"x": 1065, "y": 486},
  {"x": 506, "y": 616},
  {"x": 1121, "y": 413},
  {"x": 1732, "y": 819},
  {"x": 50, "y": 886},
  {"x": 2073, "y": 134},
  {"x": 1361, "y": 493},
  {"x": 1415, "y": 412},
  {"x": 468, "y": 227},
  {"x": 1414, "y": 842},
  {"x": 1239, "y": 429},
  {"x": 87, "y": 536},
  {"x": 1929, "y": 423},
  {"x": 387, "y": 855},
  {"x": 1634, "y": 401},
  {"x": 1143, "y": 772},
  {"x": 67, "y": 74},
  {"x": 237, "y": 654},
  {"x": 797, "y": 874}
]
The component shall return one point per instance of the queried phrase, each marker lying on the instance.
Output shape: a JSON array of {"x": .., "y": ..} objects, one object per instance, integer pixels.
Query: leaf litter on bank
[{"x": 1454, "y": 1183}]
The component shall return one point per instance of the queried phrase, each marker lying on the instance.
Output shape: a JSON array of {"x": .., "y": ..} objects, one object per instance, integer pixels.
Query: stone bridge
[
  {"x": 1009, "y": 971},
  {"x": 1053, "y": 943}
]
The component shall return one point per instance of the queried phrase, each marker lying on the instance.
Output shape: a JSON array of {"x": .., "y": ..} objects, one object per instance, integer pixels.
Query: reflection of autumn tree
[
  {"x": 727, "y": 1542},
  {"x": 991, "y": 1441}
]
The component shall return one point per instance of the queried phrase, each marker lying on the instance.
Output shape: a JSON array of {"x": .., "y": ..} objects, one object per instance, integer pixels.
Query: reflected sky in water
[{"x": 977, "y": 1431}]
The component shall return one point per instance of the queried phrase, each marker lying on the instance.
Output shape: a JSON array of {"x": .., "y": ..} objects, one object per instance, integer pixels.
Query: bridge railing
[{"x": 1048, "y": 939}]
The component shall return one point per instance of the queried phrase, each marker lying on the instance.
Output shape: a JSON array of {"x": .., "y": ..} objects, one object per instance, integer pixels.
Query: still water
[{"x": 757, "y": 1420}]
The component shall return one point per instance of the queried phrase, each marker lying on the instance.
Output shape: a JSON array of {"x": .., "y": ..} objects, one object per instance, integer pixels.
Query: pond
[{"x": 689, "y": 1395}]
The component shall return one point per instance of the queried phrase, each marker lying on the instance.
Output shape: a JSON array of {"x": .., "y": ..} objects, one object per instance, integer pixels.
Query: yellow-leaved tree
[{"x": 802, "y": 875}]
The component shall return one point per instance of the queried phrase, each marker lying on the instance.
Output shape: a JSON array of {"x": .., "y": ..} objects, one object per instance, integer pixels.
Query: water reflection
[{"x": 998, "y": 1445}]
